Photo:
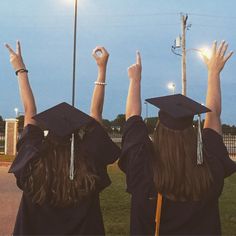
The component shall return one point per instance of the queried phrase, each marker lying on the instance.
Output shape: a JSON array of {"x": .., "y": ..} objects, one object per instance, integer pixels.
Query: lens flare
[{"x": 205, "y": 52}]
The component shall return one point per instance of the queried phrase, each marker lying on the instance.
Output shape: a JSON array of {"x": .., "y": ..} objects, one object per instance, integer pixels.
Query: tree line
[{"x": 117, "y": 125}]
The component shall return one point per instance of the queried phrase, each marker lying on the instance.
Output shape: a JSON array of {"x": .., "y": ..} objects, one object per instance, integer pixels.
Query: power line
[{"x": 212, "y": 16}]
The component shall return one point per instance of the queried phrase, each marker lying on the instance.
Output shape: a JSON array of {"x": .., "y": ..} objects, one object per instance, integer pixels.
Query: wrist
[
  {"x": 21, "y": 71},
  {"x": 134, "y": 79},
  {"x": 135, "y": 82},
  {"x": 213, "y": 74},
  {"x": 102, "y": 68}
]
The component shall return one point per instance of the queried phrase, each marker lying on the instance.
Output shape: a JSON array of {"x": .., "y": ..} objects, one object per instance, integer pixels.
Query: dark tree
[
  {"x": 118, "y": 123},
  {"x": 2, "y": 125},
  {"x": 107, "y": 125},
  {"x": 20, "y": 123}
]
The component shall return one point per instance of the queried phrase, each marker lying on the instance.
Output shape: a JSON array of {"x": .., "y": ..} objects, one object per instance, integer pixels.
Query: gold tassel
[{"x": 158, "y": 214}]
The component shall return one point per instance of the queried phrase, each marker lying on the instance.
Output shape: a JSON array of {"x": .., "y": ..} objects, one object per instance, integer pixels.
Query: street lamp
[
  {"x": 205, "y": 51},
  {"x": 71, "y": 175},
  {"x": 16, "y": 111},
  {"x": 74, "y": 52},
  {"x": 171, "y": 87}
]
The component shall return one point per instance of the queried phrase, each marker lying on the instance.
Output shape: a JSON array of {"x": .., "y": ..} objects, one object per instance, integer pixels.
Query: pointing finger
[{"x": 138, "y": 58}]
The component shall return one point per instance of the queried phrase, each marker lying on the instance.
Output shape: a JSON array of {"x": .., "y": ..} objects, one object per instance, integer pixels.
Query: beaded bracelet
[{"x": 100, "y": 83}]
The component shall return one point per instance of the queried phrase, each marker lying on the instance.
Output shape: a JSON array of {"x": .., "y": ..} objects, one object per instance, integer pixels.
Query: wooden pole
[{"x": 183, "y": 44}]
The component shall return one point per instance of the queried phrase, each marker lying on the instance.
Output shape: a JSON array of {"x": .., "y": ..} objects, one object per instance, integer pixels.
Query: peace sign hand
[
  {"x": 135, "y": 70},
  {"x": 15, "y": 57}
]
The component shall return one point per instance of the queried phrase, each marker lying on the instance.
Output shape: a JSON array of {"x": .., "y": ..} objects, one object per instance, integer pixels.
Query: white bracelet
[{"x": 100, "y": 83}]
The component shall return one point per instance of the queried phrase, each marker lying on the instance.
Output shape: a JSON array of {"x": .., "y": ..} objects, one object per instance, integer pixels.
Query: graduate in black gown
[
  {"x": 62, "y": 173},
  {"x": 186, "y": 167}
]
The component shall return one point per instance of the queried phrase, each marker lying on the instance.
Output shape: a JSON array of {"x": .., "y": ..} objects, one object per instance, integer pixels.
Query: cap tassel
[
  {"x": 72, "y": 155},
  {"x": 199, "y": 143}
]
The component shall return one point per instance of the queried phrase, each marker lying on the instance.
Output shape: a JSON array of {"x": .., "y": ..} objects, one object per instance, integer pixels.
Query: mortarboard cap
[
  {"x": 62, "y": 120},
  {"x": 177, "y": 111}
]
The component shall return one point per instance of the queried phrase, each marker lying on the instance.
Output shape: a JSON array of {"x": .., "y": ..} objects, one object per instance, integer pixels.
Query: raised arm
[
  {"x": 99, "y": 89},
  {"x": 215, "y": 64},
  {"x": 26, "y": 94},
  {"x": 133, "y": 103}
]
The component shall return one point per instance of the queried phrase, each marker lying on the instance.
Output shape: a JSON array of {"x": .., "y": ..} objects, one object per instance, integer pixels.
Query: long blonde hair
[
  {"x": 176, "y": 173},
  {"x": 46, "y": 179}
]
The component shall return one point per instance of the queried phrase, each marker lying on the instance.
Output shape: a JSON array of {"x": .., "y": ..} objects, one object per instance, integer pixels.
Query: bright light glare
[
  {"x": 69, "y": 2},
  {"x": 171, "y": 86},
  {"x": 81, "y": 3},
  {"x": 16, "y": 111},
  {"x": 205, "y": 52}
]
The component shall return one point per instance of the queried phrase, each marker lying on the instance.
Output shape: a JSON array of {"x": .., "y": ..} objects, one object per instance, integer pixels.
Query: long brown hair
[
  {"x": 47, "y": 178},
  {"x": 176, "y": 173}
]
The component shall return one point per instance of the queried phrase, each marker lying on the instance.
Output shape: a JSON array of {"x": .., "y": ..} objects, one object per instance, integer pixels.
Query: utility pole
[{"x": 184, "y": 19}]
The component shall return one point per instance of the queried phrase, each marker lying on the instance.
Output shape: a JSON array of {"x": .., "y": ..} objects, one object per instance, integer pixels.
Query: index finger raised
[{"x": 138, "y": 58}]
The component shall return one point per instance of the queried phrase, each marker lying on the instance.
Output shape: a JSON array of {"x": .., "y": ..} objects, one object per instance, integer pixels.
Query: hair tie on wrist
[
  {"x": 21, "y": 71},
  {"x": 100, "y": 83}
]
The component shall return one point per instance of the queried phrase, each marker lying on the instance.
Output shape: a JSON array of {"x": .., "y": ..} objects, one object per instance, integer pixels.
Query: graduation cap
[
  {"x": 62, "y": 121},
  {"x": 177, "y": 112}
]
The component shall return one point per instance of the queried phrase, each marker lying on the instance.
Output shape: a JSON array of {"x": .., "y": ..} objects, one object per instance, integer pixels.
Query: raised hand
[
  {"x": 101, "y": 56},
  {"x": 26, "y": 93},
  {"x": 133, "y": 103},
  {"x": 16, "y": 57},
  {"x": 216, "y": 62},
  {"x": 135, "y": 70}
]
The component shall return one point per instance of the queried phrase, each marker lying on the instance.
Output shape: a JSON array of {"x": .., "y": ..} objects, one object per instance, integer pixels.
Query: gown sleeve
[
  {"x": 215, "y": 147},
  {"x": 100, "y": 146},
  {"x": 27, "y": 147},
  {"x": 135, "y": 155}
]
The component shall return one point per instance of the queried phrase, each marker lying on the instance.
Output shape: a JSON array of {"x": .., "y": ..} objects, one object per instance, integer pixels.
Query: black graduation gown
[
  {"x": 177, "y": 218},
  {"x": 86, "y": 219}
]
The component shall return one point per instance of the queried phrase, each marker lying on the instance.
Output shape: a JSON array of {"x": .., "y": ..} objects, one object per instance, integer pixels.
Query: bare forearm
[
  {"x": 213, "y": 99},
  {"x": 27, "y": 97},
  {"x": 133, "y": 104},
  {"x": 215, "y": 65},
  {"x": 213, "y": 102},
  {"x": 98, "y": 95}
]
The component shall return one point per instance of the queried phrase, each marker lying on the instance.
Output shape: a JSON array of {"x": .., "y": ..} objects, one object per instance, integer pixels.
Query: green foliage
[
  {"x": 107, "y": 125},
  {"x": 151, "y": 124},
  {"x": 2, "y": 125},
  {"x": 227, "y": 129},
  {"x": 118, "y": 122},
  {"x": 228, "y": 207},
  {"x": 115, "y": 204}
]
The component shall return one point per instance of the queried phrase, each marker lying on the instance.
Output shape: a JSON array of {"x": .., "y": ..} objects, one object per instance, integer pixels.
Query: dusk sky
[{"x": 45, "y": 29}]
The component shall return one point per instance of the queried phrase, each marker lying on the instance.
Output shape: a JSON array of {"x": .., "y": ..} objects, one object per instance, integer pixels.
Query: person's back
[
  {"x": 190, "y": 183},
  {"x": 52, "y": 203},
  {"x": 62, "y": 174}
]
